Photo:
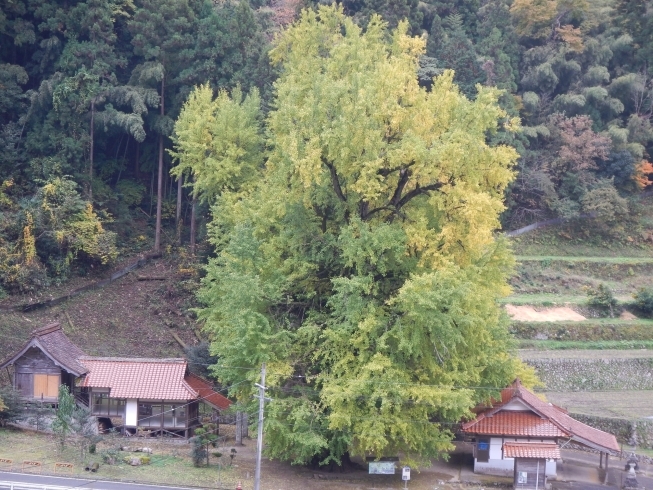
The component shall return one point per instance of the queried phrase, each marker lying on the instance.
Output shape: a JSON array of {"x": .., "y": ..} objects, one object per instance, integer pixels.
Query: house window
[
  {"x": 149, "y": 415},
  {"x": 103, "y": 404},
  {"x": 483, "y": 450},
  {"x": 117, "y": 407},
  {"x": 46, "y": 385},
  {"x": 100, "y": 403},
  {"x": 180, "y": 416}
]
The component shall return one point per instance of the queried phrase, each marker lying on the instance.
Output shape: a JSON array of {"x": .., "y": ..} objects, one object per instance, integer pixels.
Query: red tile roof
[
  {"x": 206, "y": 393},
  {"x": 577, "y": 430},
  {"x": 539, "y": 450},
  {"x": 149, "y": 379},
  {"x": 52, "y": 341},
  {"x": 511, "y": 423}
]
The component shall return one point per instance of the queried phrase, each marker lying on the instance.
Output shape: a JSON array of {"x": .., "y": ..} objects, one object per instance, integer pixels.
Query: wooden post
[
  {"x": 601, "y": 459},
  {"x": 607, "y": 455}
]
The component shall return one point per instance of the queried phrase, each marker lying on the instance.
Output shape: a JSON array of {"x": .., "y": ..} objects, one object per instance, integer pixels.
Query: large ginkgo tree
[{"x": 355, "y": 243}]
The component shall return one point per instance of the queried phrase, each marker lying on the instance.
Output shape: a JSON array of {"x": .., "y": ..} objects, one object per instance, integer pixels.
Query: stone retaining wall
[
  {"x": 594, "y": 374},
  {"x": 638, "y": 433}
]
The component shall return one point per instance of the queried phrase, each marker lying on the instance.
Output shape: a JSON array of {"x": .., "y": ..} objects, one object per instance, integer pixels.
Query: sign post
[
  {"x": 405, "y": 475},
  {"x": 381, "y": 468}
]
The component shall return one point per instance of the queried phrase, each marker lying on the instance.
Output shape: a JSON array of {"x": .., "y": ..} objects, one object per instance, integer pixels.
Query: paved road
[{"x": 59, "y": 483}]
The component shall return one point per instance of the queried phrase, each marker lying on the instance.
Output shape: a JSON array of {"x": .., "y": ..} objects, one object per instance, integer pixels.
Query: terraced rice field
[
  {"x": 631, "y": 405},
  {"x": 552, "y": 321}
]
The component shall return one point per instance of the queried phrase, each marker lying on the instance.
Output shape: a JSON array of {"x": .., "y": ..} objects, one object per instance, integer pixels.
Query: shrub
[
  {"x": 602, "y": 299},
  {"x": 644, "y": 301},
  {"x": 11, "y": 403}
]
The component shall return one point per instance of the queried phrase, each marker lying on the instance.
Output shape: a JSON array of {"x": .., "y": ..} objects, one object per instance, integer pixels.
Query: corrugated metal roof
[
  {"x": 537, "y": 450},
  {"x": 142, "y": 378}
]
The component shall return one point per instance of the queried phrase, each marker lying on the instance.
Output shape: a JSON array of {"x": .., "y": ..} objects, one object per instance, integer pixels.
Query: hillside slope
[{"x": 128, "y": 317}]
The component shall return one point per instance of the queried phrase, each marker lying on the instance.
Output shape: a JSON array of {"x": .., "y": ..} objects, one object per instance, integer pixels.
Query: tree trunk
[
  {"x": 90, "y": 167},
  {"x": 239, "y": 428},
  {"x": 137, "y": 163},
  {"x": 193, "y": 218},
  {"x": 245, "y": 426},
  {"x": 159, "y": 189},
  {"x": 180, "y": 183}
]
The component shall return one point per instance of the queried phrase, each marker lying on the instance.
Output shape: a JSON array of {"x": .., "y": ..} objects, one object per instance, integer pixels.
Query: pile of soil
[{"x": 527, "y": 313}]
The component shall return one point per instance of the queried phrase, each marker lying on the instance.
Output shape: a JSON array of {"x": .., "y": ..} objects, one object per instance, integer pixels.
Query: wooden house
[
  {"x": 156, "y": 395},
  {"x": 520, "y": 433},
  {"x": 46, "y": 361}
]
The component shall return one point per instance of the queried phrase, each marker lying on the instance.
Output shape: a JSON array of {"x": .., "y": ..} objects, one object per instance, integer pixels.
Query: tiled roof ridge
[
  {"x": 190, "y": 389},
  {"x": 526, "y": 443},
  {"x": 559, "y": 417},
  {"x": 52, "y": 327},
  {"x": 166, "y": 360}
]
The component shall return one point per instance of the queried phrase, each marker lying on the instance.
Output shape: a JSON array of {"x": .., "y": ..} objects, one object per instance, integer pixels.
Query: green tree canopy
[{"x": 362, "y": 264}]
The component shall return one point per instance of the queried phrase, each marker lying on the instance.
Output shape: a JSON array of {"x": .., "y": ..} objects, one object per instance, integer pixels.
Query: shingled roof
[
  {"x": 557, "y": 416},
  {"x": 52, "y": 341}
]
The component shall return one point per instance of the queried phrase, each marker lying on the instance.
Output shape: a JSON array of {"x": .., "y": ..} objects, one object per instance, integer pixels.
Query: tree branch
[
  {"x": 335, "y": 181},
  {"x": 404, "y": 175},
  {"x": 416, "y": 192},
  {"x": 387, "y": 171}
]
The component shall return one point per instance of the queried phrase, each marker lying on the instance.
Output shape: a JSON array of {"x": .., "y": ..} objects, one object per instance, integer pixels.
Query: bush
[
  {"x": 13, "y": 405},
  {"x": 602, "y": 299},
  {"x": 644, "y": 301}
]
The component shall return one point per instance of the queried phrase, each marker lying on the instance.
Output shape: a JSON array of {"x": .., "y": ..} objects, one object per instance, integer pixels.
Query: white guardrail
[{"x": 11, "y": 485}]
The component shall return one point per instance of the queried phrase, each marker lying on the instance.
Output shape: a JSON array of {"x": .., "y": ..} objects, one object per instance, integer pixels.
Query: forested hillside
[
  {"x": 343, "y": 171},
  {"x": 90, "y": 91}
]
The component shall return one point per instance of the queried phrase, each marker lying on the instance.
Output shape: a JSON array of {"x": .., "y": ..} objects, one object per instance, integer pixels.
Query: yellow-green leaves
[
  {"x": 362, "y": 260},
  {"x": 218, "y": 141},
  {"x": 350, "y": 116}
]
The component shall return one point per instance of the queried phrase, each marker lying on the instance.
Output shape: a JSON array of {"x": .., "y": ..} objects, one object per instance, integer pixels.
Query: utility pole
[{"x": 259, "y": 440}]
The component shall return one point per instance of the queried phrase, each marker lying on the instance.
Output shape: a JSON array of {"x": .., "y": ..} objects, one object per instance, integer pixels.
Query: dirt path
[{"x": 525, "y": 313}]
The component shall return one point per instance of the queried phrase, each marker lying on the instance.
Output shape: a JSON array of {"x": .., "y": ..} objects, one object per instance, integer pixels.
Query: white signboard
[
  {"x": 405, "y": 473},
  {"x": 522, "y": 477},
  {"x": 382, "y": 468}
]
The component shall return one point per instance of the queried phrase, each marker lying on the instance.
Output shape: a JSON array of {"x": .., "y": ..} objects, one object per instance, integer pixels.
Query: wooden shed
[
  {"x": 530, "y": 462},
  {"x": 46, "y": 361}
]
